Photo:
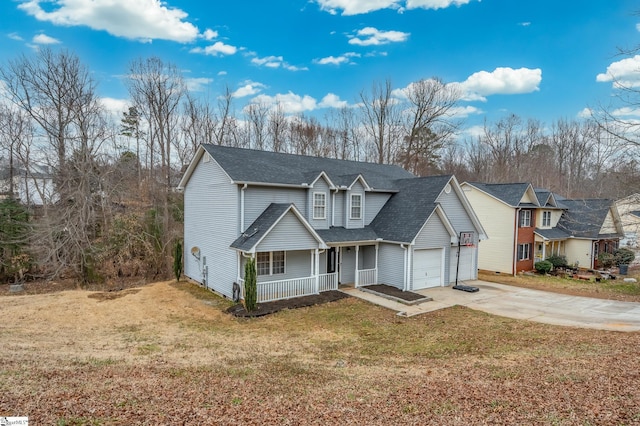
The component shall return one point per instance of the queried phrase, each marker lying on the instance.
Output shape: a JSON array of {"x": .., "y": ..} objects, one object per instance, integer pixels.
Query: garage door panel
[{"x": 427, "y": 268}]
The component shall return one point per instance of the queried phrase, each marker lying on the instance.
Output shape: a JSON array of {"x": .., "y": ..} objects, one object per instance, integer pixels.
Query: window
[
  {"x": 524, "y": 251},
  {"x": 546, "y": 219},
  {"x": 356, "y": 206},
  {"x": 525, "y": 218},
  {"x": 263, "y": 263},
  {"x": 270, "y": 263},
  {"x": 319, "y": 205}
]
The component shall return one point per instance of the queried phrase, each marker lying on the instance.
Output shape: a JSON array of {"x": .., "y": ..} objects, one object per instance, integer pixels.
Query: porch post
[
  {"x": 357, "y": 267},
  {"x": 544, "y": 250},
  {"x": 376, "y": 272},
  {"x": 317, "y": 271}
]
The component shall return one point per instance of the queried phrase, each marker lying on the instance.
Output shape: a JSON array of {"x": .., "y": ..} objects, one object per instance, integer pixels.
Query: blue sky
[{"x": 543, "y": 59}]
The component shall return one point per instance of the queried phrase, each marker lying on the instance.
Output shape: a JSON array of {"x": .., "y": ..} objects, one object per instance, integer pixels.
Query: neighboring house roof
[
  {"x": 635, "y": 213},
  {"x": 253, "y": 166},
  {"x": 552, "y": 234},
  {"x": 509, "y": 193},
  {"x": 584, "y": 218},
  {"x": 339, "y": 234},
  {"x": 406, "y": 212}
]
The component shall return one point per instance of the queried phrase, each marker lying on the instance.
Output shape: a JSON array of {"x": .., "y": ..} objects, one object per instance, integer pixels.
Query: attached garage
[
  {"x": 467, "y": 269},
  {"x": 427, "y": 268}
]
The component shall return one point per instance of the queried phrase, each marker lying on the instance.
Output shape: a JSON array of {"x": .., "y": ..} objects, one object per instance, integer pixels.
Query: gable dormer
[
  {"x": 319, "y": 201},
  {"x": 355, "y": 204}
]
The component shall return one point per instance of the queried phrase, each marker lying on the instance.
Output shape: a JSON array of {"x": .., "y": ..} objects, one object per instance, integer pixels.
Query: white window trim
[
  {"x": 522, "y": 216},
  {"x": 284, "y": 259},
  {"x": 528, "y": 252},
  {"x": 324, "y": 206},
  {"x": 546, "y": 214},
  {"x": 351, "y": 217}
]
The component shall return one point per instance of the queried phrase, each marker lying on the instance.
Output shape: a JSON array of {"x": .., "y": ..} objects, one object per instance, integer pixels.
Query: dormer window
[
  {"x": 356, "y": 206},
  {"x": 546, "y": 219},
  {"x": 319, "y": 205}
]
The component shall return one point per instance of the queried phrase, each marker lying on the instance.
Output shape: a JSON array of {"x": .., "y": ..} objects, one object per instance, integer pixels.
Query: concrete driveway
[{"x": 522, "y": 303}]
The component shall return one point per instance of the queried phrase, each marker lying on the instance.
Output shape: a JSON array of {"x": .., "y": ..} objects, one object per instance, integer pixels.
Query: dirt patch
[
  {"x": 112, "y": 295},
  {"x": 294, "y": 303},
  {"x": 388, "y": 290}
]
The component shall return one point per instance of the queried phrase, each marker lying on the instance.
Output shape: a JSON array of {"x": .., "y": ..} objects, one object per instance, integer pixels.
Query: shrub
[
  {"x": 624, "y": 256},
  {"x": 177, "y": 260},
  {"x": 250, "y": 285},
  {"x": 557, "y": 260},
  {"x": 543, "y": 267},
  {"x": 606, "y": 260}
]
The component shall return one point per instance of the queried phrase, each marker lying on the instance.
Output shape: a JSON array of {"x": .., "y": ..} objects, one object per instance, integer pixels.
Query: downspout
[
  {"x": 515, "y": 242},
  {"x": 242, "y": 208},
  {"x": 406, "y": 251},
  {"x": 333, "y": 206}
]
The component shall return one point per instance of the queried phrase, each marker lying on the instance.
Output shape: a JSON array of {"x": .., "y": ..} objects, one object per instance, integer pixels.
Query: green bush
[
  {"x": 624, "y": 256},
  {"x": 250, "y": 285},
  {"x": 606, "y": 260},
  {"x": 177, "y": 260},
  {"x": 557, "y": 260},
  {"x": 543, "y": 267}
]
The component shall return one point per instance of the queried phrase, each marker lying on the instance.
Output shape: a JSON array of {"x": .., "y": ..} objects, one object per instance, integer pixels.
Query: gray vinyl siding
[
  {"x": 211, "y": 224},
  {"x": 434, "y": 235},
  {"x": 320, "y": 186},
  {"x": 258, "y": 198},
  {"x": 457, "y": 214},
  {"x": 357, "y": 189},
  {"x": 297, "y": 264},
  {"x": 391, "y": 265},
  {"x": 375, "y": 201},
  {"x": 367, "y": 257},
  {"x": 288, "y": 234},
  {"x": 338, "y": 214}
]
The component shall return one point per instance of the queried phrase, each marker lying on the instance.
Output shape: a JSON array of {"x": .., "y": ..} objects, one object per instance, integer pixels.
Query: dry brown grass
[{"x": 168, "y": 354}]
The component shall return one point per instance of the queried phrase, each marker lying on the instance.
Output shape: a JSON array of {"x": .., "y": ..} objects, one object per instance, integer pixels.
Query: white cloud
[
  {"x": 15, "y": 36},
  {"x": 116, "y": 107},
  {"x": 464, "y": 111},
  {"x": 434, "y": 4},
  {"x": 638, "y": 27},
  {"x": 209, "y": 34},
  {"x": 275, "y": 62},
  {"x": 356, "y": 7},
  {"x": 626, "y": 112},
  {"x": 217, "y": 48},
  {"x": 585, "y": 113},
  {"x": 222, "y": 73},
  {"x": 138, "y": 20},
  {"x": 332, "y": 101},
  {"x": 370, "y": 36},
  {"x": 44, "y": 39},
  {"x": 524, "y": 24},
  {"x": 197, "y": 84},
  {"x": 501, "y": 81},
  {"x": 289, "y": 102},
  {"x": 250, "y": 88},
  {"x": 337, "y": 60},
  {"x": 623, "y": 73}
]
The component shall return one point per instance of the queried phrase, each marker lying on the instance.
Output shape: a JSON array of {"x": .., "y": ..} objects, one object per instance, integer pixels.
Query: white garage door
[
  {"x": 427, "y": 268},
  {"x": 468, "y": 269}
]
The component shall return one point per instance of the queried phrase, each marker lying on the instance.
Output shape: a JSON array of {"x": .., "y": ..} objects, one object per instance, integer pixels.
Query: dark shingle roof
[
  {"x": 405, "y": 213},
  {"x": 552, "y": 234},
  {"x": 584, "y": 218},
  {"x": 260, "y": 226},
  {"x": 338, "y": 234},
  {"x": 248, "y": 165},
  {"x": 510, "y": 193}
]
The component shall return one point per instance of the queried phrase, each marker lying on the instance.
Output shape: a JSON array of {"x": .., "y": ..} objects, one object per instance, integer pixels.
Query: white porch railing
[
  {"x": 328, "y": 281},
  {"x": 285, "y": 289},
  {"x": 366, "y": 277}
]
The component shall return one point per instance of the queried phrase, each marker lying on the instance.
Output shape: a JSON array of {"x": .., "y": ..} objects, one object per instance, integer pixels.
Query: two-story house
[
  {"x": 528, "y": 224},
  {"x": 313, "y": 223}
]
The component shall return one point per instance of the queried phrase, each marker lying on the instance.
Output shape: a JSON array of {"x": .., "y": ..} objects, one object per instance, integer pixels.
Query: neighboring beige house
[
  {"x": 526, "y": 225},
  {"x": 629, "y": 210}
]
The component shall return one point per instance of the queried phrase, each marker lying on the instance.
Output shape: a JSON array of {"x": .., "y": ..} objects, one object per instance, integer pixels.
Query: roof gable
[
  {"x": 512, "y": 194},
  {"x": 587, "y": 218}
]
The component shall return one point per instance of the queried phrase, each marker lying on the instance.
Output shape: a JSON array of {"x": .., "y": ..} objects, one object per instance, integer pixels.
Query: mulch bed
[
  {"x": 388, "y": 290},
  {"x": 293, "y": 303}
]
